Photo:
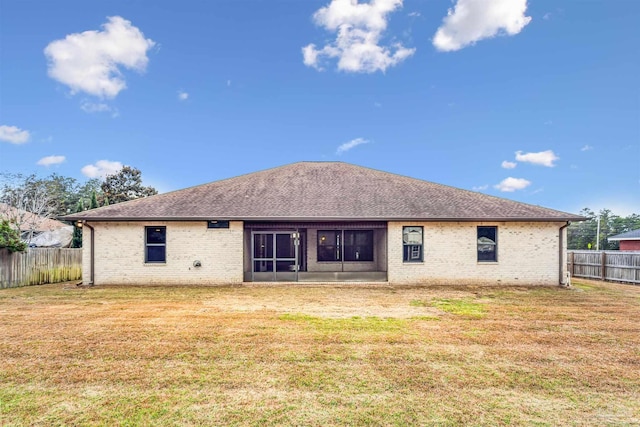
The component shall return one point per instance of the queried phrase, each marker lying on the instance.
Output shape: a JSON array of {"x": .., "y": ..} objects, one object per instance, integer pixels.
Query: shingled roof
[
  {"x": 629, "y": 235},
  {"x": 323, "y": 191},
  {"x": 29, "y": 221}
]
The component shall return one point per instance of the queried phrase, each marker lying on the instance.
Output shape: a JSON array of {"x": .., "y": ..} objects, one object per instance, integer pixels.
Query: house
[
  {"x": 35, "y": 230},
  {"x": 323, "y": 221},
  {"x": 629, "y": 241}
]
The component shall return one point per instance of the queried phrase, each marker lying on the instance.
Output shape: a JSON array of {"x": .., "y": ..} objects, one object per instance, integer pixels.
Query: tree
[
  {"x": 94, "y": 201},
  {"x": 63, "y": 192},
  {"x": 125, "y": 185},
  {"x": 584, "y": 235},
  {"x": 76, "y": 241},
  {"x": 26, "y": 202},
  {"x": 86, "y": 191},
  {"x": 10, "y": 238}
]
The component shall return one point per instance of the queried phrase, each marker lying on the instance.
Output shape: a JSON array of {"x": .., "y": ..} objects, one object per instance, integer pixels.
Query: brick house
[
  {"x": 319, "y": 222},
  {"x": 629, "y": 241}
]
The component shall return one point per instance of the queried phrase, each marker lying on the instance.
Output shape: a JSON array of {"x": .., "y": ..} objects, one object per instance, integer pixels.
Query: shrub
[{"x": 10, "y": 238}]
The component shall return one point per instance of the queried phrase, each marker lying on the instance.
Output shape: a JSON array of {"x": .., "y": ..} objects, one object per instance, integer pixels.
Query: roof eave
[{"x": 326, "y": 218}]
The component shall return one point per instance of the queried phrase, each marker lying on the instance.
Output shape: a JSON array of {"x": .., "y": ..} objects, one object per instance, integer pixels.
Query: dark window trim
[
  {"x": 495, "y": 244},
  {"x": 347, "y": 249},
  {"x": 411, "y": 247},
  {"x": 335, "y": 245},
  {"x": 217, "y": 223},
  {"x": 147, "y": 245},
  {"x": 339, "y": 245}
]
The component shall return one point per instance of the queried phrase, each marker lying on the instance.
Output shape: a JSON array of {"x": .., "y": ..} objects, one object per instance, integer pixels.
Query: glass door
[
  {"x": 275, "y": 256},
  {"x": 286, "y": 257},
  {"x": 262, "y": 259}
]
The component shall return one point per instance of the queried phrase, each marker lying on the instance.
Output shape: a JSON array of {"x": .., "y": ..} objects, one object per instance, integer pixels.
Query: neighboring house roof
[
  {"x": 323, "y": 191},
  {"x": 629, "y": 235},
  {"x": 29, "y": 221}
]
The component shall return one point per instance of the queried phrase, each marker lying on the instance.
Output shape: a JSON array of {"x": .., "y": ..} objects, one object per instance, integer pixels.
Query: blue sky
[{"x": 536, "y": 101}]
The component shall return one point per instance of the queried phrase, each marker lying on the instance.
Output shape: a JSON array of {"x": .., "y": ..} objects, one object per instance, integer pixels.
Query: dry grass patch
[{"x": 320, "y": 355}]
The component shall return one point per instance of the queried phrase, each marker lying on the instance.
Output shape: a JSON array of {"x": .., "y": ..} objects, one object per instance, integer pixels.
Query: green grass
[
  {"x": 583, "y": 286},
  {"x": 371, "y": 324},
  {"x": 461, "y": 307}
]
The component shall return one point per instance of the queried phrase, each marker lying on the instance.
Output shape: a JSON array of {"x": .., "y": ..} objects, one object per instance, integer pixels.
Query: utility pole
[{"x": 598, "y": 235}]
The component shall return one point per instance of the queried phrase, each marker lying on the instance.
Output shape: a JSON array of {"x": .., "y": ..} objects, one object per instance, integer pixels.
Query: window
[
  {"x": 155, "y": 244},
  {"x": 358, "y": 245},
  {"x": 329, "y": 245},
  {"x": 350, "y": 245},
  {"x": 487, "y": 244},
  {"x": 412, "y": 244},
  {"x": 216, "y": 223}
]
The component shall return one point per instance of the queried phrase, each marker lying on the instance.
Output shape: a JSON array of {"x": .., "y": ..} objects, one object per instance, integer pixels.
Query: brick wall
[
  {"x": 630, "y": 245},
  {"x": 120, "y": 254},
  {"x": 527, "y": 254}
]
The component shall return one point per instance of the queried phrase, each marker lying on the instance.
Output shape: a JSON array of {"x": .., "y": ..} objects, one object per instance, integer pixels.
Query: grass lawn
[{"x": 320, "y": 355}]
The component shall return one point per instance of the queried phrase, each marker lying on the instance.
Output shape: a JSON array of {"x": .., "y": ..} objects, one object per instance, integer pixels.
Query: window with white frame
[{"x": 412, "y": 242}]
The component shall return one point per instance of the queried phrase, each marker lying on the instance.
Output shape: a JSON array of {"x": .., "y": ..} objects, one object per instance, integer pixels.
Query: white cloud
[
  {"x": 474, "y": 20},
  {"x": 509, "y": 165},
  {"x": 182, "y": 96},
  {"x": 90, "y": 61},
  {"x": 98, "y": 107},
  {"x": 414, "y": 14},
  {"x": 359, "y": 28},
  {"x": 94, "y": 107},
  {"x": 51, "y": 160},
  {"x": 349, "y": 145},
  {"x": 510, "y": 184},
  {"x": 586, "y": 148},
  {"x": 14, "y": 134},
  {"x": 480, "y": 188},
  {"x": 543, "y": 158},
  {"x": 101, "y": 169},
  {"x": 228, "y": 83}
]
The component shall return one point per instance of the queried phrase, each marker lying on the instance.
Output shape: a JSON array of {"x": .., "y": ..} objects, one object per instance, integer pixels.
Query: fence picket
[
  {"x": 38, "y": 266},
  {"x": 618, "y": 266}
]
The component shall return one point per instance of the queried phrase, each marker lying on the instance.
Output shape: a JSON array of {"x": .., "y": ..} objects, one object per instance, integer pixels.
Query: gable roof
[
  {"x": 323, "y": 191},
  {"x": 629, "y": 235}
]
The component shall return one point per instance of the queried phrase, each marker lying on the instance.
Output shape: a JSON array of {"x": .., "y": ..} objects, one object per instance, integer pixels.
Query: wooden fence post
[
  {"x": 571, "y": 264},
  {"x": 603, "y": 261}
]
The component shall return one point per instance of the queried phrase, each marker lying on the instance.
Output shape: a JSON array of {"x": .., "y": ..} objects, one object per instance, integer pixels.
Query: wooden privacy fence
[
  {"x": 38, "y": 266},
  {"x": 617, "y": 266}
]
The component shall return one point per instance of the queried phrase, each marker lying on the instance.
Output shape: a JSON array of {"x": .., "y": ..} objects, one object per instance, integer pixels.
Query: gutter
[
  {"x": 320, "y": 219},
  {"x": 561, "y": 253}
]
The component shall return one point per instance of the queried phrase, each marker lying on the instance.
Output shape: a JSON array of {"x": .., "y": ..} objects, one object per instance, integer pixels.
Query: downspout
[
  {"x": 92, "y": 252},
  {"x": 561, "y": 253}
]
